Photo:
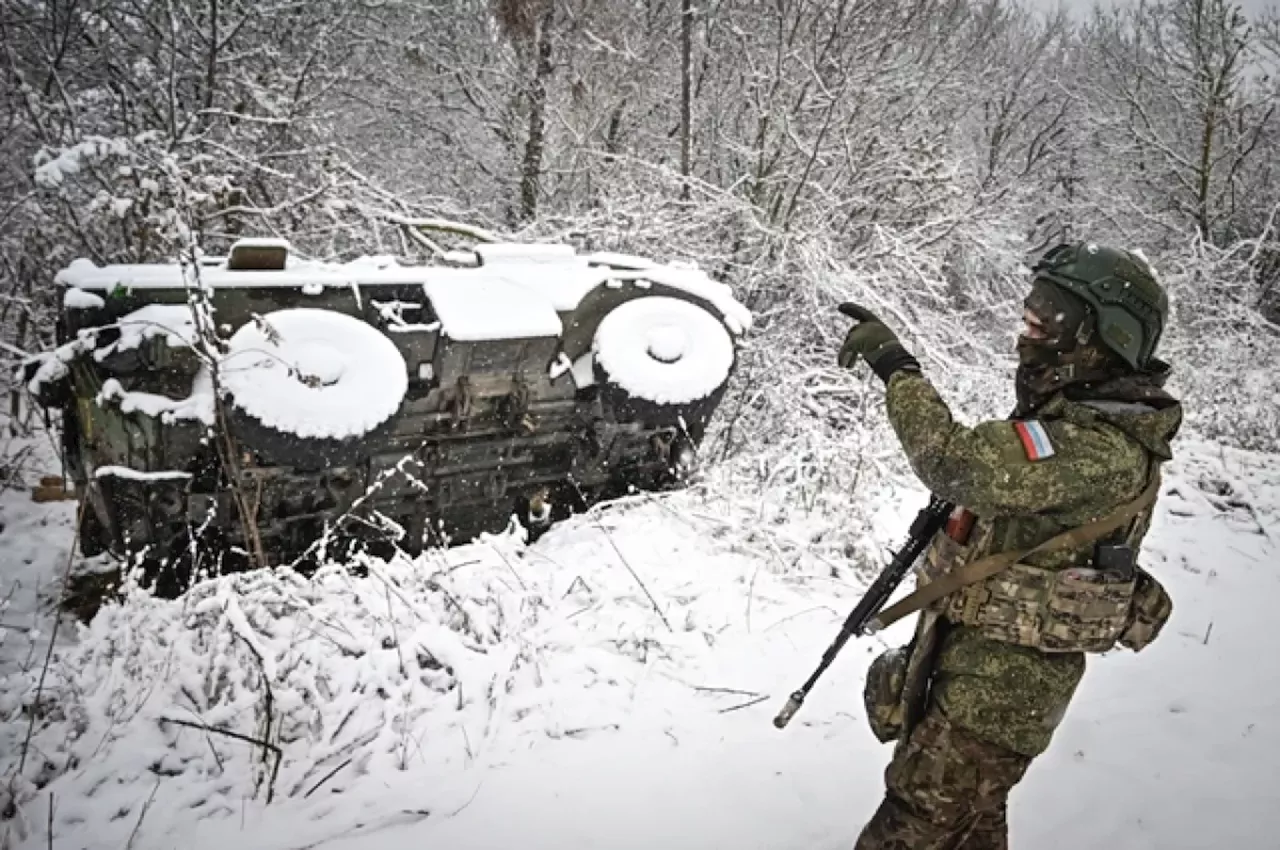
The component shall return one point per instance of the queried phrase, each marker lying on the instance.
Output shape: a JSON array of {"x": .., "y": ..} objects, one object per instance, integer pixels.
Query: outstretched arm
[{"x": 1003, "y": 467}]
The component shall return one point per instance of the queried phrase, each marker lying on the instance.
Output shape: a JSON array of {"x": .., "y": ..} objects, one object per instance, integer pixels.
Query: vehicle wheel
[
  {"x": 308, "y": 387},
  {"x": 663, "y": 362}
]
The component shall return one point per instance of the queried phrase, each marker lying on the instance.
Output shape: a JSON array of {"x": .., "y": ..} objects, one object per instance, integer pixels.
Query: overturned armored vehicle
[{"x": 279, "y": 406}]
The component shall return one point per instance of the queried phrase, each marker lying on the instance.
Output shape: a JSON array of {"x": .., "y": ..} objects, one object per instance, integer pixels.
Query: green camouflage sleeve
[{"x": 990, "y": 468}]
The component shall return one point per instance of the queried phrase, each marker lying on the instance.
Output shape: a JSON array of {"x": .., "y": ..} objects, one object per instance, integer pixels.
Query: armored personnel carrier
[{"x": 280, "y": 406}]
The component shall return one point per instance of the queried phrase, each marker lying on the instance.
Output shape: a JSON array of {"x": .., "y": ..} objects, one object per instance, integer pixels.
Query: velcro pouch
[
  {"x": 883, "y": 692},
  {"x": 1152, "y": 607},
  {"x": 1070, "y": 610}
]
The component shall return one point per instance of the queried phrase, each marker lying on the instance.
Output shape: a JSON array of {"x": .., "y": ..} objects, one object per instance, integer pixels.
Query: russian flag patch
[{"x": 1035, "y": 439}]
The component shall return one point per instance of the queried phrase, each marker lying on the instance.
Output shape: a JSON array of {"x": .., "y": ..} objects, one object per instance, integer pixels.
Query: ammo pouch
[
  {"x": 1067, "y": 610},
  {"x": 1054, "y": 610},
  {"x": 882, "y": 694},
  {"x": 1152, "y": 607},
  {"x": 897, "y": 686},
  {"x": 1070, "y": 610}
]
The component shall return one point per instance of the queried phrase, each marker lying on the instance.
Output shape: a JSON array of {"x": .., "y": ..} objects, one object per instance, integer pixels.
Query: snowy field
[{"x": 611, "y": 686}]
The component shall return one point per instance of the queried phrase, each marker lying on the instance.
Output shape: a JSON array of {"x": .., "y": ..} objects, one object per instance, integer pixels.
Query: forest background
[{"x": 913, "y": 156}]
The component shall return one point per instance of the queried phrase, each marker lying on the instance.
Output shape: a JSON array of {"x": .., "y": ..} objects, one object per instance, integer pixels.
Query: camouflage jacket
[{"x": 1073, "y": 461}]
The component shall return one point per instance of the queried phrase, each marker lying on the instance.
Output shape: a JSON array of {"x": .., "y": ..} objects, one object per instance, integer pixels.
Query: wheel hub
[
  {"x": 318, "y": 364},
  {"x": 667, "y": 343}
]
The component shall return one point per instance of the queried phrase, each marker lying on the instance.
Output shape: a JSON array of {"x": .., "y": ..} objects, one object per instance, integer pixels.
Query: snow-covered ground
[{"x": 611, "y": 686}]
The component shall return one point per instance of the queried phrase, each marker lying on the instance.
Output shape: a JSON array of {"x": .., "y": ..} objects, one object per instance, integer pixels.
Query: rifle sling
[{"x": 985, "y": 568}]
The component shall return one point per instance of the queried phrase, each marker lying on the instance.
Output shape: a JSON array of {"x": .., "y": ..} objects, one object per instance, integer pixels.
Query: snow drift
[{"x": 612, "y": 686}]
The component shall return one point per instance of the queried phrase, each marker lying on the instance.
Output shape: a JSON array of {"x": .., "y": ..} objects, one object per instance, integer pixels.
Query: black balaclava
[{"x": 1068, "y": 353}]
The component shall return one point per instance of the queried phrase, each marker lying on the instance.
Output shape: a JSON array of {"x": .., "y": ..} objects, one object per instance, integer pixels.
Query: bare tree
[
  {"x": 1176, "y": 105},
  {"x": 930, "y": 146},
  {"x": 527, "y": 24},
  {"x": 686, "y": 89}
]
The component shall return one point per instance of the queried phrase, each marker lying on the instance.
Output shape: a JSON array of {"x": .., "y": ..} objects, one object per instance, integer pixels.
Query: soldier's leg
[
  {"x": 944, "y": 789},
  {"x": 993, "y": 707},
  {"x": 991, "y": 832}
]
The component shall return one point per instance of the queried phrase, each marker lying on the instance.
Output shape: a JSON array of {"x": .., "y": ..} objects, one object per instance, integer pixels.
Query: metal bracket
[
  {"x": 462, "y": 403},
  {"x": 515, "y": 408}
]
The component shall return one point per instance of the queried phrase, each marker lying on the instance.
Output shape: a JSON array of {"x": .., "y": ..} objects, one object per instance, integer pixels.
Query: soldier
[{"x": 1037, "y": 565}]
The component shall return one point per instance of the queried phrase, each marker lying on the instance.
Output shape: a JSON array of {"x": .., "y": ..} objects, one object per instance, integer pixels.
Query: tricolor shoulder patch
[{"x": 1035, "y": 439}]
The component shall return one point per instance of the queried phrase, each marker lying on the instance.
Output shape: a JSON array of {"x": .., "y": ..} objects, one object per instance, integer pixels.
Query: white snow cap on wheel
[
  {"x": 664, "y": 350},
  {"x": 315, "y": 373}
]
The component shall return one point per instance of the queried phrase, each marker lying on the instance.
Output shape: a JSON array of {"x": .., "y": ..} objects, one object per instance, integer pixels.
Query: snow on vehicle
[{"x": 381, "y": 402}]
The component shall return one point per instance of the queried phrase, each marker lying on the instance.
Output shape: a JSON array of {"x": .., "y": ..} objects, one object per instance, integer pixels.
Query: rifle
[{"x": 927, "y": 523}]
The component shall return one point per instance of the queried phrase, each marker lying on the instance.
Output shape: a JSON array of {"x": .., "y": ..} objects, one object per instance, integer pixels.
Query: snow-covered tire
[
  {"x": 662, "y": 361},
  {"x": 307, "y": 386}
]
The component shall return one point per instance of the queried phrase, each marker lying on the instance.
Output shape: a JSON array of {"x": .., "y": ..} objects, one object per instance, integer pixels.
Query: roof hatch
[{"x": 258, "y": 255}]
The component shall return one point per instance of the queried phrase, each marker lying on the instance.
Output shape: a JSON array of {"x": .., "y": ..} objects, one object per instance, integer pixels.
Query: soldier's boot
[{"x": 945, "y": 790}]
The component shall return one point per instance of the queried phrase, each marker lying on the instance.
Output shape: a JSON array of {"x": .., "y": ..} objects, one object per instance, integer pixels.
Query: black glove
[{"x": 872, "y": 341}]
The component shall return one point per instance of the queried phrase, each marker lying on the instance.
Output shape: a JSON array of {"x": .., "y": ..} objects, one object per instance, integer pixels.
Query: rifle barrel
[{"x": 928, "y": 522}]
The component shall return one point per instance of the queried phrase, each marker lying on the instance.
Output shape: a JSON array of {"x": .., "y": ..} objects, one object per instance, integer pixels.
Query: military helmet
[{"x": 1121, "y": 288}]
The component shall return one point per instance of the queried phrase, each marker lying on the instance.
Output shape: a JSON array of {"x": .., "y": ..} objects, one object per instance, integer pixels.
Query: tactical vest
[
  {"x": 1063, "y": 603},
  {"x": 1033, "y": 583}
]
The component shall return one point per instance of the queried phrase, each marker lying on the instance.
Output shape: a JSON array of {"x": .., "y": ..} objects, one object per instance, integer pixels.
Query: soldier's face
[{"x": 1050, "y": 316}]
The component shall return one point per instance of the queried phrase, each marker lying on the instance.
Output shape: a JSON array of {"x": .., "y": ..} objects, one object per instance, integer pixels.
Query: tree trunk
[
  {"x": 531, "y": 172},
  {"x": 1205, "y": 172},
  {"x": 686, "y": 98}
]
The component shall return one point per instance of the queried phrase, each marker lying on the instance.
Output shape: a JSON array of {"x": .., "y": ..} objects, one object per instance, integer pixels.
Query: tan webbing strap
[{"x": 985, "y": 568}]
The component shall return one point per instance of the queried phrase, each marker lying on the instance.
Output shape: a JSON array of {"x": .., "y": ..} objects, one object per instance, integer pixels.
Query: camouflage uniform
[
  {"x": 992, "y": 705},
  {"x": 992, "y": 667}
]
